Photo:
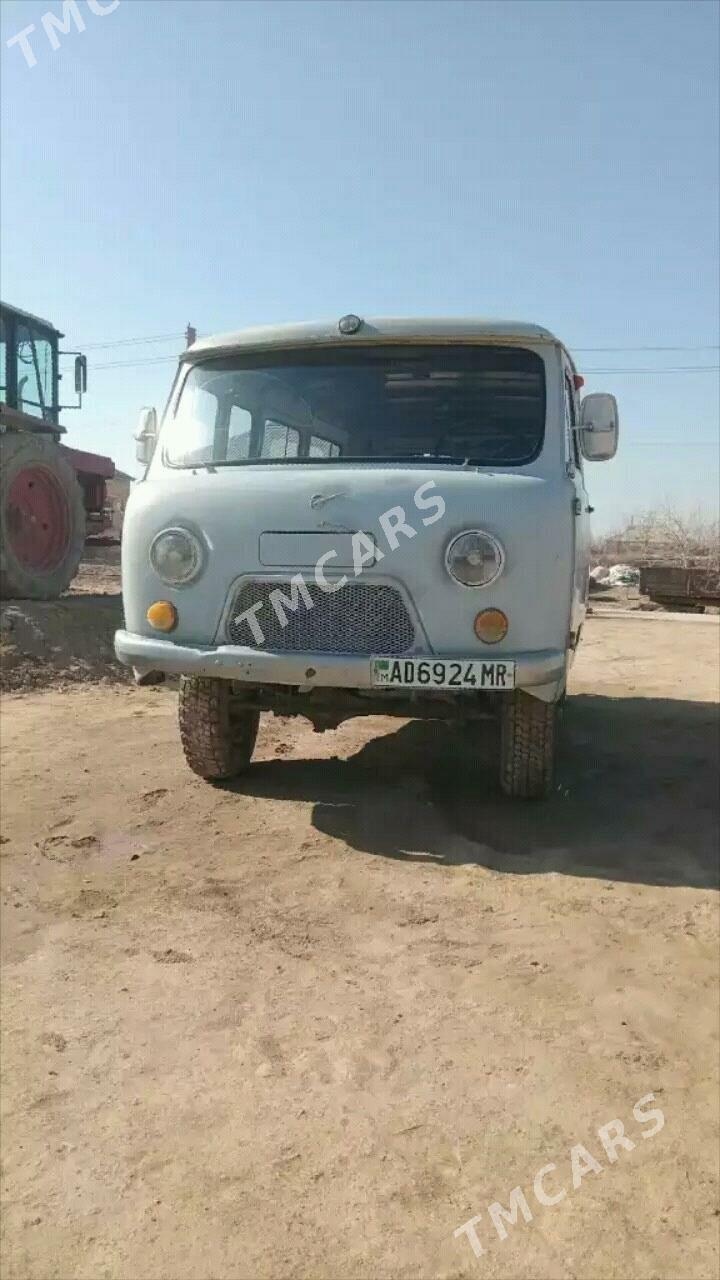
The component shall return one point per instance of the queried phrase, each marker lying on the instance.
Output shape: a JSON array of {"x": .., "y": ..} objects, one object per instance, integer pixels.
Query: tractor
[{"x": 51, "y": 497}]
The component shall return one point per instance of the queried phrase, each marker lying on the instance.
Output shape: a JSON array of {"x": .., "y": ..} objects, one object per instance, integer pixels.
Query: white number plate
[{"x": 433, "y": 673}]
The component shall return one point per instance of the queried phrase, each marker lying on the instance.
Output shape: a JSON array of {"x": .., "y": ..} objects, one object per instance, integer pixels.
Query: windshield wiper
[
  {"x": 454, "y": 459},
  {"x": 457, "y": 459}
]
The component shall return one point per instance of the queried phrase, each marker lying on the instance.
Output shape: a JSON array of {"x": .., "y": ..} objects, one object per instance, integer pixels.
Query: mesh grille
[{"x": 360, "y": 617}]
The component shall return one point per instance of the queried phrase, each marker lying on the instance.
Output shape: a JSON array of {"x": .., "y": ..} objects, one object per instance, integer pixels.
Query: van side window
[
  {"x": 570, "y": 422},
  {"x": 322, "y": 448},
  {"x": 279, "y": 440},
  {"x": 239, "y": 428},
  {"x": 3, "y": 360}
]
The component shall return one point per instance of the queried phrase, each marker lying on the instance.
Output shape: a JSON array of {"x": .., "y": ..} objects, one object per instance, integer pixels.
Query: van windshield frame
[{"x": 452, "y": 403}]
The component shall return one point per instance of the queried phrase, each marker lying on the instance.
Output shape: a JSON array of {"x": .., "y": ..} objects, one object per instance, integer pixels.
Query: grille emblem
[{"x": 319, "y": 499}]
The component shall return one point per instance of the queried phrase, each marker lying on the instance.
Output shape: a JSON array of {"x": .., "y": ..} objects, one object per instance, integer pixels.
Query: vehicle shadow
[{"x": 635, "y": 799}]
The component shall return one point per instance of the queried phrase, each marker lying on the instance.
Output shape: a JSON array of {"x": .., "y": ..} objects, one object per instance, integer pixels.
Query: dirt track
[{"x": 309, "y": 1024}]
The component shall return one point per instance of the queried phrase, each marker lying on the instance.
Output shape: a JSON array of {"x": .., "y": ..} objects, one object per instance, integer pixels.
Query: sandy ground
[
  {"x": 68, "y": 641},
  {"x": 309, "y": 1024}
]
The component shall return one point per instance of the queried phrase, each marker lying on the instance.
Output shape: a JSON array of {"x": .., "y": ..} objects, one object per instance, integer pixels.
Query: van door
[{"x": 581, "y": 507}]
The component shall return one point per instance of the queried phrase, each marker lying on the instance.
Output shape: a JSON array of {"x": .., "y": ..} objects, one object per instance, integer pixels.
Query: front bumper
[{"x": 542, "y": 667}]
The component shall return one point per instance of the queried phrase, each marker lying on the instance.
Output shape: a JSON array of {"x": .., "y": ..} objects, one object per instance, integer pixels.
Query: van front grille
[{"x": 357, "y": 618}]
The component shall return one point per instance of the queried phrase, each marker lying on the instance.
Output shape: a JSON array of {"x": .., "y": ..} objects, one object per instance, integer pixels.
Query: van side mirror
[
  {"x": 599, "y": 427},
  {"x": 146, "y": 435}
]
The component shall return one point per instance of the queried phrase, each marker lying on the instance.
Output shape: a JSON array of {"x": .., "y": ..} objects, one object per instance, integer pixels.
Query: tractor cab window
[{"x": 34, "y": 369}]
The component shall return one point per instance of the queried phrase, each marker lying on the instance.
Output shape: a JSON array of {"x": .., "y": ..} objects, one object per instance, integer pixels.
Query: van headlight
[
  {"x": 474, "y": 558},
  {"x": 177, "y": 556}
]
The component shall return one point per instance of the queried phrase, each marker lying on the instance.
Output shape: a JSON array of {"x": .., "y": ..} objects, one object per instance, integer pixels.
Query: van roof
[{"x": 369, "y": 331}]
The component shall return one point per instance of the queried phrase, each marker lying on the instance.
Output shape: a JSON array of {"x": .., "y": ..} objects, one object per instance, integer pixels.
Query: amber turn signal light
[
  {"x": 162, "y": 615},
  {"x": 491, "y": 626}
]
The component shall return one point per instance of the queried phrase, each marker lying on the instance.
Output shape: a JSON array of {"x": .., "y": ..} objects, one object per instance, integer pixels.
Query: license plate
[{"x": 432, "y": 673}]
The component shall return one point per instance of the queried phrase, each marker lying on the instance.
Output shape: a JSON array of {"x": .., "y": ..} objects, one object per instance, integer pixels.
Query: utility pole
[{"x": 190, "y": 336}]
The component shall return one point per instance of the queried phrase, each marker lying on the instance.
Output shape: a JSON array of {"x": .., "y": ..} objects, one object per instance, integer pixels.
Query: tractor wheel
[
  {"x": 42, "y": 518},
  {"x": 218, "y": 734}
]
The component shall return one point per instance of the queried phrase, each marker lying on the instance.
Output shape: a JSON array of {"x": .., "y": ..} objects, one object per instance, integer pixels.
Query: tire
[
  {"x": 527, "y": 746},
  {"x": 42, "y": 518},
  {"x": 217, "y": 735}
]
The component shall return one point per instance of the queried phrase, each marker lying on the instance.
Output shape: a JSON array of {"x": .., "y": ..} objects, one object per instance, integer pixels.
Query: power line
[
  {"x": 168, "y": 337},
  {"x": 714, "y": 347},
  {"x": 131, "y": 342},
  {"x": 681, "y": 368},
  {"x": 678, "y": 369},
  {"x": 672, "y": 444},
  {"x": 135, "y": 364}
]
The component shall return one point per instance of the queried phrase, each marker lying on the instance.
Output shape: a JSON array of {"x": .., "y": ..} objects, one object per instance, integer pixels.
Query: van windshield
[{"x": 476, "y": 405}]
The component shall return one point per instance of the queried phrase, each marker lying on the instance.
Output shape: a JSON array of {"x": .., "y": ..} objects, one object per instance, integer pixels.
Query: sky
[{"x": 226, "y": 163}]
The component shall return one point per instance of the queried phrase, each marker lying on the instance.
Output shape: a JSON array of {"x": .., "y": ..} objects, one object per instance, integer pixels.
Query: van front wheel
[
  {"x": 217, "y": 733},
  {"x": 527, "y": 746}
]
